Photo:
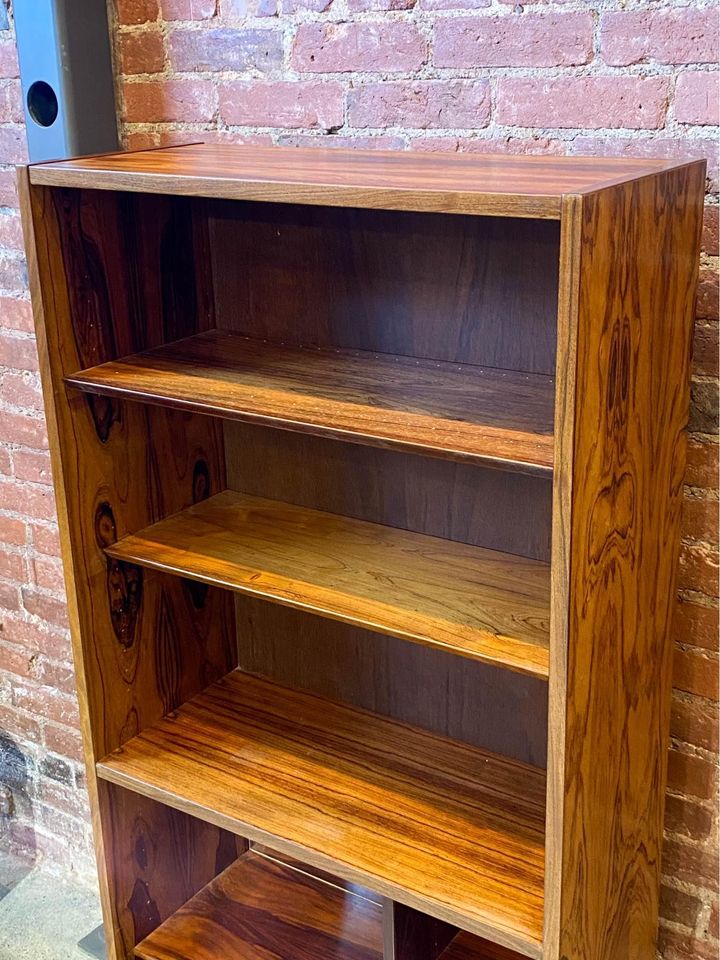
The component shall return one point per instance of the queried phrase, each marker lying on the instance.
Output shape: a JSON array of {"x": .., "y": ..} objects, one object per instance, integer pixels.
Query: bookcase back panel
[
  {"x": 489, "y": 508},
  {"x": 458, "y": 288},
  {"x": 485, "y": 706}
]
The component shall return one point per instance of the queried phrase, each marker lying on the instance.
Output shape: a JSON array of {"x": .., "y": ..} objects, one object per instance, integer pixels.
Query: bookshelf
[{"x": 369, "y": 470}]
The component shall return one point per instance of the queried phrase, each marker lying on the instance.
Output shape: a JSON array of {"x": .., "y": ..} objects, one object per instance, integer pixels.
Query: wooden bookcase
[{"x": 369, "y": 469}]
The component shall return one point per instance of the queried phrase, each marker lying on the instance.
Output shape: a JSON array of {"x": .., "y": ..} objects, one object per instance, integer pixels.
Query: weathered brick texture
[{"x": 614, "y": 77}]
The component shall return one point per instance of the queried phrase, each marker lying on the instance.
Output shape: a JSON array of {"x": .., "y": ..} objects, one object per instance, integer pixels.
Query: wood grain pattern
[
  {"x": 470, "y": 290},
  {"x": 479, "y": 603},
  {"x": 262, "y": 909},
  {"x": 462, "y": 412},
  {"x": 635, "y": 311},
  {"x": 493, "y": 186},
  {"x": 106, "y": 282},
  {"x": 442, "y": 827},
  {"x": 467, "y": 947}
]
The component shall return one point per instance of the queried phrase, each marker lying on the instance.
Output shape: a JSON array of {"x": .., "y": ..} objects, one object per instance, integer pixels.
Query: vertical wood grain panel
[
  {"x": 461, "y": 288},
  {"x": 636, "y": 300},
  {"x": 112, "y": 273}
]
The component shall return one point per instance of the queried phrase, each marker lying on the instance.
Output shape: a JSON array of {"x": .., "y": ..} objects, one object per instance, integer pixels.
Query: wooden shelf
[
  {"x": 503, "y": 186},
  {"x": 458, "y": 411},
  {"x": 479, "y": 603},
  {"x": 260, "y": 907},
  {"x": 441, "y": 826}
]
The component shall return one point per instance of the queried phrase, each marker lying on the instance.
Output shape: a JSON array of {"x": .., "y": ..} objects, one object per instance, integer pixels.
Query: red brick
[
  {"x": 388, "y": 46},
  {"x": 13, "y": 275},
  {"x": 679, "y": 907},
  {"x": 705, "y": 350},
  {"x": 591, "y": 102},
  {"x": 695, "y": 721},
  {"x": 240, "y": 9},
  {"x": 20, "y": 428},
  {"x": 187, "y": 9},
  {"x": 45, "y": 702},
  {"x": 173, "y": 101},
  {"x": 19, "y": 353},
  {"x": 32, "y": 465},
  {"x": 63, "y": 740},
  {"x": 692, "y": 863},
  {"x": 38, "y": 638},
  {"x": 509, "y": 145},
  {"x": 696, "y": 671},
  {"x": 8, "y": 60},
  {"x": 8, "y": 188},
  {"x": 13, "y": 532},
  {"x": 11, "y": 103},
  {"x": 707, "y": 294},
  {"x": 46, "y": 608},
  {"x": 686, "y": 35},
  {"x": 12, "y": 566},
  {"x": 286, "y": 103},
  {"x": 313, "y": 6},
  {"x": 141, "y": 140},
  {"x": 692, "y": 776},
  {"x": 11, "y": 235},
  {"x": 68, "y": 800},
  {"x": 46, "y": 540},
  {"x": 226, "y": 49},
  {"x": 420, "y": 104},
  {"x": 711, "y": 233},
  {"x": 142, "y": 52},
  {"x": 19, "y": 724},
  {"x": 21, "y": 390},
  {"x": 136, "y": 11},
  {"x": 16, "y": 314},
  {"x": 525, "y": 40},
  {"x": 687, "y": 818},
  {"x": 10, "y": 598},
  {"x": 48, "y": 575},
  {"x": 58, "y": 676},
  {"x": 699, "y": 520},
  {"x": 698, "y": 569},
  {"x": 355, "y": 143},
  {"x": 680, "y": 945},
  {"x": 454, "y": 4},
  {"x": 14, "y": 660},
  {"x": 697, "y": 98}
]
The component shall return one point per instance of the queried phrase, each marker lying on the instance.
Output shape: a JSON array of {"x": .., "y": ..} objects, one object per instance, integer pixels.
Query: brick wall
[{"x": 611, "y": 76}]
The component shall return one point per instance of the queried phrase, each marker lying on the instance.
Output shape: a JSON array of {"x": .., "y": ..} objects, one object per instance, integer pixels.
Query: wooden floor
[
  {"x": 456, "y": 411},
  {"x": 483, "y": 604},
  {"x": 441, "y": 826}
]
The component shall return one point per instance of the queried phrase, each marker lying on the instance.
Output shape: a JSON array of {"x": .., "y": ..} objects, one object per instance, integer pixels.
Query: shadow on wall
[{"x": 17, "y": 776}]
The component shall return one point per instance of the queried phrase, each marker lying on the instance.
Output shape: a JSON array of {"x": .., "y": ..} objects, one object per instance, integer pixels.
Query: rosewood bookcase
[{"x": 369, "y": 469}]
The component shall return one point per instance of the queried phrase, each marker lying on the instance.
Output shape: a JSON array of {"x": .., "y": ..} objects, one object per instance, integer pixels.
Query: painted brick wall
[{"x": 610, "y": 76}]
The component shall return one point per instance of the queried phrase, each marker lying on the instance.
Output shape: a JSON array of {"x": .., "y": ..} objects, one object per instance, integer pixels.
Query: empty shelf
[
  {"x": 482, "y": 604},
  {"x": 444, "y": 827},
  {"x": 496, "y": 417}
]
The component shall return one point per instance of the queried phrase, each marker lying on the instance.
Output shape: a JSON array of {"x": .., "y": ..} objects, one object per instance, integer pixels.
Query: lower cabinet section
[{"x": 268, "y": 907}]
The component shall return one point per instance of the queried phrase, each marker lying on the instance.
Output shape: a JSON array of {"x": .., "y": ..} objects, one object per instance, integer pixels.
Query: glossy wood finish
[
  {"x": 479, "y": 603},
  {"x": 442, "y": 827},
  {"x": 262, "y": 909},
  {"x": 411, "y": 935},
  {"x": 462, "y": 412},
  {"x": 636, "y": 290},
  {"x": 401, "y": 543},
  {"x": 110, "y": 276},
  {"x": 504, "y": 186}
]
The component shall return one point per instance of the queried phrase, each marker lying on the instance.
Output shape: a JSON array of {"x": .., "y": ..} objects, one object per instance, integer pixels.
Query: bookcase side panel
[
  {"x": 110, "y": 272},
  {"x": 638, "y": 271}
]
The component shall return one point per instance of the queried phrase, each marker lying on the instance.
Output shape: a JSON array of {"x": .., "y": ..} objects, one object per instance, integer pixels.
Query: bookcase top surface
[{"x": 442, "y": 183}]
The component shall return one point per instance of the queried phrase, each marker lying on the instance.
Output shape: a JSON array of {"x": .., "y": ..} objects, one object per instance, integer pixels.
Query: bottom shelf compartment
[
  {"x": 444, "y": 828},
  {"x": 264, "y": 908}
]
